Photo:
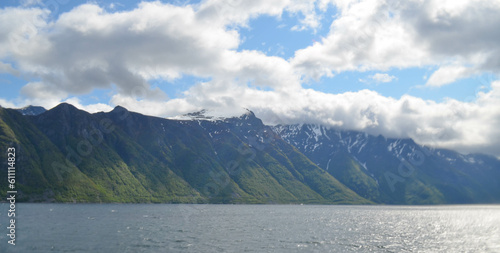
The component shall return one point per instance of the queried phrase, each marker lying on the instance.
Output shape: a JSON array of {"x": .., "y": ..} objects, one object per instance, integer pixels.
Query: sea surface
[{"x": 251, "y": 228}]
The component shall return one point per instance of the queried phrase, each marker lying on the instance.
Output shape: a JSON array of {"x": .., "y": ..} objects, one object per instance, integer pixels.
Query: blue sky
[{"x": 426, "y": 70}]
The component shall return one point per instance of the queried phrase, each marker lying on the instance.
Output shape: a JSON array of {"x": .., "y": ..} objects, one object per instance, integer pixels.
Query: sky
[{"x": 422, "y": 69}]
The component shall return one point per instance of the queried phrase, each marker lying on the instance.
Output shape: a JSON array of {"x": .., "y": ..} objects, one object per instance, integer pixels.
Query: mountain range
[
  {"x": 69, "y": 155},
  {"x": 397, "y": 171}
]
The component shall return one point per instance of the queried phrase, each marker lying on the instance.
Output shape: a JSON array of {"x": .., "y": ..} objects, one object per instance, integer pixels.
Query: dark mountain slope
[{"x": 397, "y": 171}]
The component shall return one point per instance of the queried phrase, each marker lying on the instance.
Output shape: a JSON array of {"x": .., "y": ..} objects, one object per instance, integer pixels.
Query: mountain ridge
[
  {"x": 399, "y": 166},
  {"x": 123, "y": 156}
]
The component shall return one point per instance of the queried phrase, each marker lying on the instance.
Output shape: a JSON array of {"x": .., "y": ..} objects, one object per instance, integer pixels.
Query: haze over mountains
[{"x": 65, "y": 154}]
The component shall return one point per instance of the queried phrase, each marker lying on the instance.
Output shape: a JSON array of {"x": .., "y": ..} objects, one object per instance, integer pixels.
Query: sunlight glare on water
[{"x": 253, "y": 228}]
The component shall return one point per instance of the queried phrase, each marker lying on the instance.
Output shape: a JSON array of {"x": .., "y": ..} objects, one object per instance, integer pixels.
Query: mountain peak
[
  {"x": 119, "y": 108},
  {"x": 248, "y": 113},
  {"x": 65, "y": 107},
  {"x": 65, "y": 110},
  {"x": 198, "y": 115},
  {"x": 31, "y": 110}
]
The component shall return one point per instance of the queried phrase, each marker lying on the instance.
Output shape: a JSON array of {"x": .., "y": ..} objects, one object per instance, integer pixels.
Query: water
[{"x": 251, "y": 228}]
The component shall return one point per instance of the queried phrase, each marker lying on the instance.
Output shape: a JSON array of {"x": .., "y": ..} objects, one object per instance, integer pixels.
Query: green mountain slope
[
  {"x": 36, "y": 179},
  {"x": 121, "y": 156}
]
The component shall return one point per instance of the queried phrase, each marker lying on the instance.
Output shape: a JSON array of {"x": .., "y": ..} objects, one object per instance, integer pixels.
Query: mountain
[
  {"x": 397, "y": 171},
  {"x": 69, "y": 155},
  {"x": 65, "y": 154},
  {"x": 35, "y": 178},
  {"x": 32, "y": 110}
]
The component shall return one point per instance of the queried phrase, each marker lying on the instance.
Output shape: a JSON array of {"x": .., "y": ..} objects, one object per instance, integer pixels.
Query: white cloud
[
  {"x": 239, "y": 12},
  {"x": 380, "y": 35},
  {"x": 382, "y": 78},
  {"x": 168, "y": 108},
  {"x": 307, "y": 8},
  {"x": 93, "y": 108},
  {"x": 46, "y": 102},
  {"x": 7, "y": 104},
  {"x": 18, "y": 31},
  {"x": 448, "y": 74}
]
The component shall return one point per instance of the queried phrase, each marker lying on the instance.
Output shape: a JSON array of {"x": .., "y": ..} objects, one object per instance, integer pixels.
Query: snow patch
[{"x": 317, "y": 131}]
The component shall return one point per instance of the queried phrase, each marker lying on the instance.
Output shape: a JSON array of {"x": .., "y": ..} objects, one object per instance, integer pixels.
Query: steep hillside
[
  {"x": 123, "y": 156},
  {"x": 397, "y": 171}
]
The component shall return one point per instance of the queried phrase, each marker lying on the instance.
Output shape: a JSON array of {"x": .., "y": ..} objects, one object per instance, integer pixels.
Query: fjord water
[{"x": 251, "y": 228}]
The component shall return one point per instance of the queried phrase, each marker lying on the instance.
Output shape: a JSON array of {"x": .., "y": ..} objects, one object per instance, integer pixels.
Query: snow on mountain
[
  {"x": 31, "y": 110},
  {"x": 379, "y": 168}
]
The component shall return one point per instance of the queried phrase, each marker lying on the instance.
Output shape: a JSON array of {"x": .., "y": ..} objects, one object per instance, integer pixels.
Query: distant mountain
[
  {"x": 32, "y": 110},
  {"x": 66, "y": 154},
  {"x": 397, "y": 171}
]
